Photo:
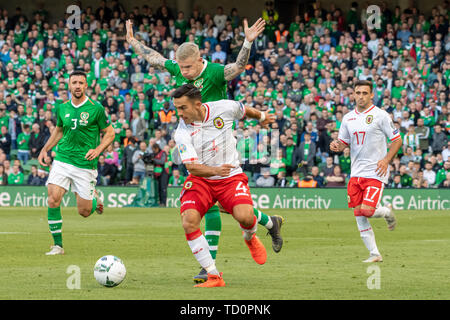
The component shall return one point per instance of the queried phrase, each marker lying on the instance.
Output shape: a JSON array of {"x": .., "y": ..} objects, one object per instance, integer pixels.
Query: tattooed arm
[
  {"x": 153, "y": 57},
  {"x": 232, "y": 70}
]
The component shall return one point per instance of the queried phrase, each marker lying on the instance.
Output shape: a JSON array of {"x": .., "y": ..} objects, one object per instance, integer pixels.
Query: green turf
[{"x": 321, "y": 257}]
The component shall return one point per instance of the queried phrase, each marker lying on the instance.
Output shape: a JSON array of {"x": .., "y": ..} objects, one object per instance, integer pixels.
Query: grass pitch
[{"x": 321, "y": 257}]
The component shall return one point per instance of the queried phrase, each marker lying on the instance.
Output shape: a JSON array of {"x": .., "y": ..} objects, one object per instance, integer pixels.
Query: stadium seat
[
  {"x": 33, "y": 162},
  {"x": 13, "y": 154},
  {"x": 26, "y": 168},
  {"x": 249, "y": 174}
]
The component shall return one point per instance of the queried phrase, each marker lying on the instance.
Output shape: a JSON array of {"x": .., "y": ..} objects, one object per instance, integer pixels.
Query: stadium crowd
[{"x": 302, "y": 70}]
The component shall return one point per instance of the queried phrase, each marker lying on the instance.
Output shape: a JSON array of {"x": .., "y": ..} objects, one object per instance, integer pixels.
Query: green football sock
[
  {"x": 213, "y": 226},
  {"x": 263, "y": 219},
  {"x": 94, "y": 205},
  {"x": 55, "y": 225}
]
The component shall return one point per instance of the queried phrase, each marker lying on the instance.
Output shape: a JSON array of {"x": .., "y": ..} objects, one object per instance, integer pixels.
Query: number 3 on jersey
[{"x": 360, "y": 135}]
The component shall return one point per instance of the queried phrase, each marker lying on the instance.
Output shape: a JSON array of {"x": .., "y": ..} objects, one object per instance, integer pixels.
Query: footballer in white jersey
[
  {"x": 207, "y": 148},
  {"x": 366, "y": 130},
  {"x": 366, "y": 133},
  {"x": 211, "y": 142}
]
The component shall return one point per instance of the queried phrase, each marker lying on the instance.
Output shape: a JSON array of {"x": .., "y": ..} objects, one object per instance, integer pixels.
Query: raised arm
[
  {"x": 232, "y": 70},
  {"x": 153, "y": 57}
]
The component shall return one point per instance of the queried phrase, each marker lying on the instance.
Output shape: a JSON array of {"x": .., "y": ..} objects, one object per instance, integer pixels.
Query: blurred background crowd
[{"x": 301, "y": 70}]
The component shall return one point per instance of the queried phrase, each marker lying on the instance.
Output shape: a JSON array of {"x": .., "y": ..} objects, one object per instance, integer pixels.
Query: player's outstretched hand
[
  {"x": 224, "y": 170},
  {"x": 92, "y": 154},
  {"x": 41, "y": 158},
  {"x": 255, "y": 30},
  {"x": 129, "y": 26},
  {"x": 270, "y": 118},
  {"x": 382, "y": 167}
]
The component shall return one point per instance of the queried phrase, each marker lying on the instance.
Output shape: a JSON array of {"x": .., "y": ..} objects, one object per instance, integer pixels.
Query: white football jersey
[
  {"x": 366, "y": 135},
  {"x": 211, "y": 142}
]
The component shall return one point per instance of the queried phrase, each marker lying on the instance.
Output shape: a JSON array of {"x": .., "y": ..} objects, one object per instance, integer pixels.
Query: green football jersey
[
  {"x": 81, "y": 132},
  {"x": 211, "y": 82}
]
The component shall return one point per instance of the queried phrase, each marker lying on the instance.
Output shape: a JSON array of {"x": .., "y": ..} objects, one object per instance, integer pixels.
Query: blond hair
[{"x": 187, "y": 50}]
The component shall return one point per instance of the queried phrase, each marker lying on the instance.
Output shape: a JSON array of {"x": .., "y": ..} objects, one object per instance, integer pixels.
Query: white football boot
[
  {"x": 55, "y": 250},
  {"x": 374, "y": 258}
]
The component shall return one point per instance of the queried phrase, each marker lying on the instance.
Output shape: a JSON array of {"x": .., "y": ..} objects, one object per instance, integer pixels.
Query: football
[{"x": 109, "y": 271}]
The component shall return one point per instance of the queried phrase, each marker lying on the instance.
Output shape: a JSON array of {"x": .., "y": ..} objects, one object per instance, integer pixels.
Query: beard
[{"x": 77, "y": 94}]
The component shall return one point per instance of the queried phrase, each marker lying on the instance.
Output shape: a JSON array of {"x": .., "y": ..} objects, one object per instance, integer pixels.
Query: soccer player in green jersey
[
  {"x": 77, "y": 134},
  {"x": 211, "y": 79}
]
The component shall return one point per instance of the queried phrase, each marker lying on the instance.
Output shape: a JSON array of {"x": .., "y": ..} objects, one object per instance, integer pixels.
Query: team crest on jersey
[
  {"x": 369, "y": 119},
  {"x": 198, "y": 83},
  {"x": 218, "y": 123},
  {"x": 188, "y": 185},
  {"x": 84, "y": 117}
]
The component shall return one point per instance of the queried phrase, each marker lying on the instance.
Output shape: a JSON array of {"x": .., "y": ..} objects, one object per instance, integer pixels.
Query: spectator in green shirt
[
  {"x": 345, "y": 161},
  {"x": 15, "y": 177},
  {"x": 176, "y": 180},
  {"x": 405, "y": 179},
  {"x": 442, "y": 173},
  {"x": 23, "y": 153}
]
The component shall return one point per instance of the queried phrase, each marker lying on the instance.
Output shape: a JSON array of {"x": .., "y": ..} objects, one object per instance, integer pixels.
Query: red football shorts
[
  {"x": 201, "y": 194},
  {"x": 364, "y": 191}
]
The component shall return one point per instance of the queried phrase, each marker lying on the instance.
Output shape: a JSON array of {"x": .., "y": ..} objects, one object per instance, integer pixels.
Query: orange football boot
[
  {"x": 257, "y": 249},
  {"x": 213, "y": 281}
]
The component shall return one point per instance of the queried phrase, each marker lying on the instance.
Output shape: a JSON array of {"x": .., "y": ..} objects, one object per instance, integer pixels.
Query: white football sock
[
  {"x": 382, "y": 212},
  {"x": 200, "y": 249},
  {"x": 367, "y": 234}
]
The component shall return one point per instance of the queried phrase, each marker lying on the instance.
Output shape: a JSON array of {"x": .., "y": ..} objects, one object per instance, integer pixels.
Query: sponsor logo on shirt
[
  {"x": 395, "y": 132},
  {"x": 67, "y": 115},
  {"x": 218, "y": 122},
  {"x": 369, "y": 119},
  {"x": 188, "y": 185}
]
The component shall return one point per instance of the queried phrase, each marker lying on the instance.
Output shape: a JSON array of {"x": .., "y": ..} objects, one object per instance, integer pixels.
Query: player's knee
[
  {"x": 53, "y": 202},
  {"x": 189, "y": 225},
  {"x": 247, "y": 220},
  {"x": 84, "y": 212}
]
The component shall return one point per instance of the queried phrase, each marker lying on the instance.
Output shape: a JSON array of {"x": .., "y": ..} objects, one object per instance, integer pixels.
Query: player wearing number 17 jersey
[
  {"x": 365, "y": 130},
  {"x": 207, "y": 148}
]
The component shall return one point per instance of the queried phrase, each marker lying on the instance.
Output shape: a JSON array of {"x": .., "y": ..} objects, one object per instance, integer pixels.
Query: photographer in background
[
  {"x": 138, "y": 163},
  {"x": 160, "y": 173}
]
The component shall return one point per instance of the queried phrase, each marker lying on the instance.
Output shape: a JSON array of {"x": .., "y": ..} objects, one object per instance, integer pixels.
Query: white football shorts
[{"x": 80, "y": 180}]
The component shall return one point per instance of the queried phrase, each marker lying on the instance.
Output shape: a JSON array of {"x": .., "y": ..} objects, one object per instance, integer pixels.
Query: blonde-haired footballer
[
  {"x": 365, "y": 130},
  {"x": 211, "y": 79}
]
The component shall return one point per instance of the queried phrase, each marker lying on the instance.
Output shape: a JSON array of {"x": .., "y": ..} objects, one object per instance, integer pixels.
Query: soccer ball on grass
[{"x": 109, "y": 271}]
